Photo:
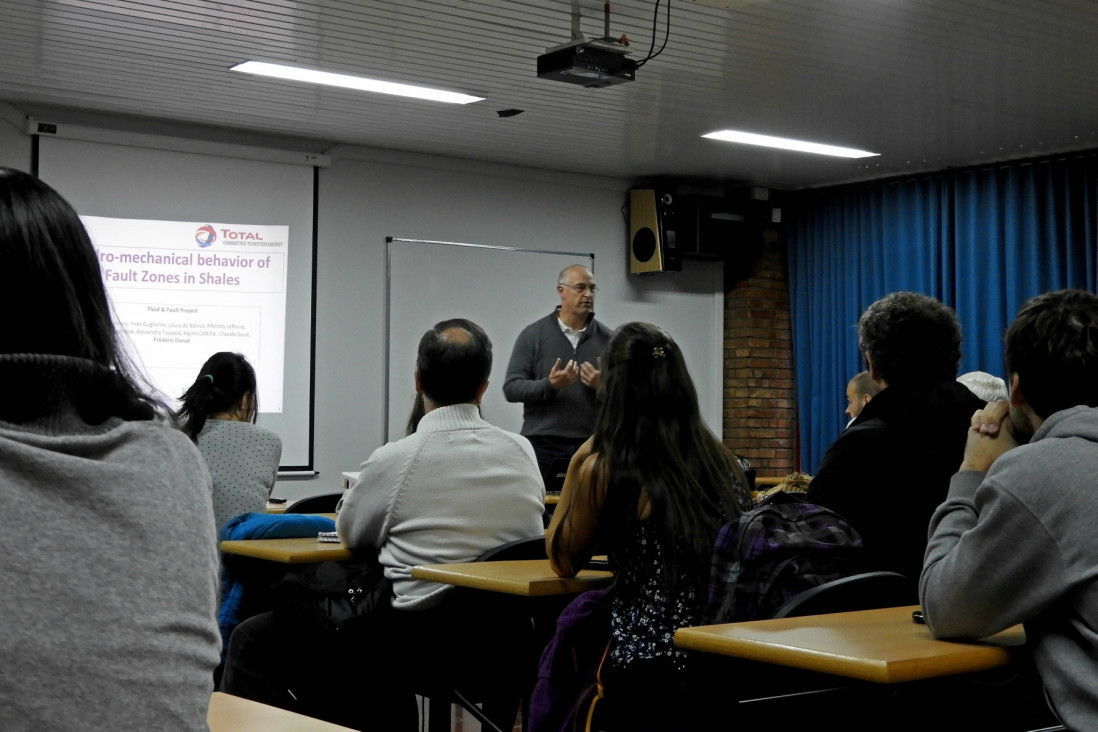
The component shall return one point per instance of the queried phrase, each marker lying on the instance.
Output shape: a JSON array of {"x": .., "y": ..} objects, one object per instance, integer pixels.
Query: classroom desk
[
  {"x": 287, "y": 551},
  {"x": 525, "y": 577},
  {"x": 232, "y": 714},
  {"x": 884, "y": 646}
]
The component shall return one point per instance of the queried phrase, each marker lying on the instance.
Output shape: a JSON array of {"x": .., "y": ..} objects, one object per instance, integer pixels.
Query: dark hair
[
  {"x": 1053, "y": 347},
  {"x": 455, "y": 358},
  {"x": 911, "y": 339},
  {"x": 54, "y": 296},
  {"x": 55, "y": 279},
  {"x": 650, "y": 439},
  {"x": 418, "y": 410},
  {"x": 221, "y": 382}
]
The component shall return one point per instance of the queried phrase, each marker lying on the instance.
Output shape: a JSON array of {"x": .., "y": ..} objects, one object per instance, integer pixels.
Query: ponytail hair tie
[
  {"x": 210, "y": 377},
  {"x": 658, "y": 352}
]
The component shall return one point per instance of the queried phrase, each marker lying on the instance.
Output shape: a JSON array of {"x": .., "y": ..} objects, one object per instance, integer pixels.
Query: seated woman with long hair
[
  {"x": 110, "y": 576},
  {"x": 653, "y": 486},
  {"x": 219, "y": 413}
]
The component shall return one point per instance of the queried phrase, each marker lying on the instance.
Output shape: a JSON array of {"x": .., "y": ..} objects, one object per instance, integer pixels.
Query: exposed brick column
[{"x": 760, "y": 409}]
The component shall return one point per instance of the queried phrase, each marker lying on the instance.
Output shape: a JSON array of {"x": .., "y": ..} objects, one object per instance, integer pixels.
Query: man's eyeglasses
[{"x": 581, "y": 288}]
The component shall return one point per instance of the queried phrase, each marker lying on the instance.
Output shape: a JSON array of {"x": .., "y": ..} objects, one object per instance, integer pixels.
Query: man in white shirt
[{"x": 453, "y": 489}]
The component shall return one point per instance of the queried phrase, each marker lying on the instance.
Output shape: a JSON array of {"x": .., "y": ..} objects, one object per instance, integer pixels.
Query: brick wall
[{"x": 760, "y": 408}]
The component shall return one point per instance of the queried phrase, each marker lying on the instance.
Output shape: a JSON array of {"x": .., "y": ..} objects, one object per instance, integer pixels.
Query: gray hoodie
[{"x": 1018, "y": 545}]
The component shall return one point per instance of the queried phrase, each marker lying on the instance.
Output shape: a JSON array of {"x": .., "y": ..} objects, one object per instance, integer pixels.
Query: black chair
[
  {"x": 514, "y": 627},
  {"x": 533, "y": 548},
  {"x": 325, "y": 503},
  {"x": 867, "y": 591}
]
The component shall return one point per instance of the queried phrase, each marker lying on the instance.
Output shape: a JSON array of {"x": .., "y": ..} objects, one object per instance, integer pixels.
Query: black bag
[
  {"x": 772, "y": 553},
  {"x": 335, "y": 595}
]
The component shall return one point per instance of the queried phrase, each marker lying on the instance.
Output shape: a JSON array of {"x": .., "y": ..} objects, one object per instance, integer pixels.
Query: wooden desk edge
[
  {"x": 229, "y": 713},
  {"x": 533, "y": 587},
  {"x": 992, "y": 655},
  {"x": 694, "y": 639},
  {"x": 252, "y": 548}
]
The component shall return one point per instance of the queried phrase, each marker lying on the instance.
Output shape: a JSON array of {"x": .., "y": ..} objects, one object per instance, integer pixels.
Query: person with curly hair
[{"x": 889, "y": 470}]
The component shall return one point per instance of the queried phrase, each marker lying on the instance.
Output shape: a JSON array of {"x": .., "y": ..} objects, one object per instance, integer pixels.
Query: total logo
[{"x": 205, "y": 235}]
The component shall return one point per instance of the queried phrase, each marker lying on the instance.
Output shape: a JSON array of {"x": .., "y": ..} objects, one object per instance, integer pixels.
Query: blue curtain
[{"x": 982, "y": 240}]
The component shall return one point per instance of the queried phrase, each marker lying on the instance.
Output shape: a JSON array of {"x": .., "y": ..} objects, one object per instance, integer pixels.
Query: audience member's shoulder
[
  {"x": 174, "y": 447},
  {"x": 242, "y": 430},
  {"x": 518, "y": 441},
  {"x": 866, "y": 431},
  {"x": 399, "y": 448}
]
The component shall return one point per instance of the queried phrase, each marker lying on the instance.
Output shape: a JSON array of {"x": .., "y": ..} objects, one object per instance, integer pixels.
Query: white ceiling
[{"x": 929, "y": 84}]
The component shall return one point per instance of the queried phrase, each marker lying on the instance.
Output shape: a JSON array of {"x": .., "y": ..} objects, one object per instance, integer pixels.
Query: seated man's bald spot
[
  {"x": 454, "y": 361},
  {"x": 455, "y": 335}
]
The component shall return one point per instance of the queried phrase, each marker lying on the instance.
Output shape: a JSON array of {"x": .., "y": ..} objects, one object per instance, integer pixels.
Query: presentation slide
[
  {"x": 181, "y": 291},
  {"x": 206, "y": 252}
]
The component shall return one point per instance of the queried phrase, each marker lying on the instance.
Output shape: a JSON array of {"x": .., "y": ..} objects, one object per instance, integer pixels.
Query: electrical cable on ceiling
[{"x": 666, "y": 34}]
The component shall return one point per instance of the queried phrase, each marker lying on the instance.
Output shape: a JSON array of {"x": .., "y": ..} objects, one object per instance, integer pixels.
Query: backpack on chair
[{"x": 773, "y": 552}]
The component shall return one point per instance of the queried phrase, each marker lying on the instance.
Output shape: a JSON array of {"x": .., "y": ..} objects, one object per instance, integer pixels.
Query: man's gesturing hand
[
  {"x": 589, "y": 375},
  {"x": 562, "y": 377}
]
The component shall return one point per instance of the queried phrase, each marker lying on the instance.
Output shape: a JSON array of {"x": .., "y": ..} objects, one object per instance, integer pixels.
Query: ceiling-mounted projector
[{"x": 590, "y": 64}]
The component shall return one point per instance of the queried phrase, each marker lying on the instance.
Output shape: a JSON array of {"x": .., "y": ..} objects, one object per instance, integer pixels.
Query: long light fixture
[
  {"x": 784, "y": 143},
  {"x": 346, "y": 81}
]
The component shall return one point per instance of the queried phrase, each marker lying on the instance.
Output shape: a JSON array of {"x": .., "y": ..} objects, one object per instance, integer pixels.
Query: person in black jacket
[{"x": 889, "y": 470}]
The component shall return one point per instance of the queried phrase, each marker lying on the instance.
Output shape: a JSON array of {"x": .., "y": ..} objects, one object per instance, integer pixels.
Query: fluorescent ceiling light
[
  {"x": 784, "y": 143},
  {"x": 295, "y": 73}
]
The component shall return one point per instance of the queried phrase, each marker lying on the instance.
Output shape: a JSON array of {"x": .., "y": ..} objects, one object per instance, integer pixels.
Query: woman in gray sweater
[
  {"x": 110, "y": 578},
  {"x": 219, "y": 412}
]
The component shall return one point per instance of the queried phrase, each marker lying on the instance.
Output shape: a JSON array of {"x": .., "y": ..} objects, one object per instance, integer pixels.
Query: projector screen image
[{"x": 183, "y": 290}]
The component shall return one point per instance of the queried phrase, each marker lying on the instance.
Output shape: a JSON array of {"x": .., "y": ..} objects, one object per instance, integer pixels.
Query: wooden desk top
[
  {"x": 527, "y": 577},
  {"x": 287, "y": 551},
  {"x": 884, "y": 646},
  {"x": 232, "y": 714}
]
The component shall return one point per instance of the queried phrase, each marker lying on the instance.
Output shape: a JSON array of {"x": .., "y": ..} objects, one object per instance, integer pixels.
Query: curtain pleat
[{"x": 983, "y": 240}]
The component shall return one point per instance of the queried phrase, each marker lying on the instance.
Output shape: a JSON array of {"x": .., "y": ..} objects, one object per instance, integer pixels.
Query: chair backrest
[
  {"x": 858, "y": 592},
  {"x": 532, "y": 548},
  {"x": 325, "y": 503}
]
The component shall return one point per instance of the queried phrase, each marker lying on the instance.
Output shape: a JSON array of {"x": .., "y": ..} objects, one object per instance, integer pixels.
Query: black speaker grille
[{"x": 644, "y": 244}]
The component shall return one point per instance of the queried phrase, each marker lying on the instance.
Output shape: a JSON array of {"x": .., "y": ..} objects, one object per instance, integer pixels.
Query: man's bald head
[
  {"x": 574, "y": 270},
  {"x": 454, "y": 361},
  {"x": 861, "y": 389}
]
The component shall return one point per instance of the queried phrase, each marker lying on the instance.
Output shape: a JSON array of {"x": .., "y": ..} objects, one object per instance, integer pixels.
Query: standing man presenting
[{"x": 554, "y": 370}]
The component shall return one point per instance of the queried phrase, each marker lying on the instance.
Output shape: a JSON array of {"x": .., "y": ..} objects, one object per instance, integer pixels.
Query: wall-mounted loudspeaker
[{"x": 652, "y": 232}]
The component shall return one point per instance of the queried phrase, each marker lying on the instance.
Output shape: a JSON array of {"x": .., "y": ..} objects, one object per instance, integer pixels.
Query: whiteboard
[{"x": 501, "y": 289}]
